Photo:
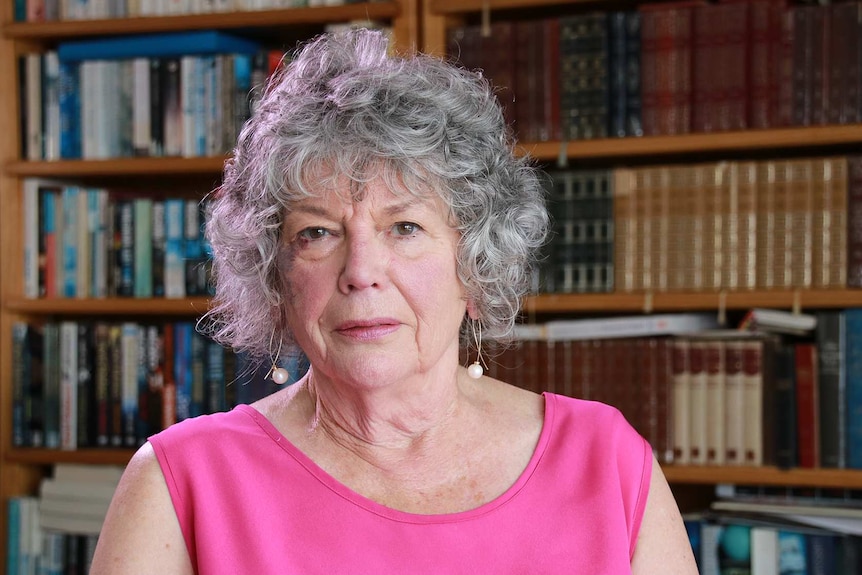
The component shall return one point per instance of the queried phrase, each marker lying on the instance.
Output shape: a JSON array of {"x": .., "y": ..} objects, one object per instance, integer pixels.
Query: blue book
[
  {"x": 853, "y": 386},
  {"x": 171, "y": 44},
  {"x": 13, "y": 535},
  {"x": 70, "y": 241},
  {"x": 183, "y": 333}
]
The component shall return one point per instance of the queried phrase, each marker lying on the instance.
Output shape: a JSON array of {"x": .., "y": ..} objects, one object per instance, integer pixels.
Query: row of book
[
  {"x": 731, "y": 225},
  {"x": 91, "y": 242},
  {"x": 55, "y": 531},
  {"x": 52, "y": 10},
  {"x": 183, "y": 94},
  {"x": 707, "y": 396},
  {"x": 746, "y": 545},
  {"x": 671, "y": 68},
  {"x": 110, "y": 385}
]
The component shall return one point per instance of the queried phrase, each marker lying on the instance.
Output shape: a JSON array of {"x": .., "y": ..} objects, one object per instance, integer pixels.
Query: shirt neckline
[{"x": 376, "y": 508}]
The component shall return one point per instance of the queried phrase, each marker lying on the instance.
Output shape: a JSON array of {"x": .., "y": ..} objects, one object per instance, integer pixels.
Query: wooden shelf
[
  {"x": 109, "y": 306},
  {"x": 615, "y": 148},
  {"x": 118, "y": 167},
  {"x": 691, "y": 144},
  {"x": 62, "y": 30},
  {"x": 829, "y": 478},
  {"x": 698, "y": 475},
  {"x": 467, "y": 6},
  {"x": 679, "y": 302}
]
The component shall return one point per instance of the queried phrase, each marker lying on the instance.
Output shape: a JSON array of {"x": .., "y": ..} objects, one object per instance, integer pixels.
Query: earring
[
  {"x": 475, "y": 370},
  {"x": 279, "y": 374}
]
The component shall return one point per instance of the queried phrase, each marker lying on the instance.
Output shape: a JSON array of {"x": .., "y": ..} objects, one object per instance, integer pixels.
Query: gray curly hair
[{"x": 344, "y": 106}]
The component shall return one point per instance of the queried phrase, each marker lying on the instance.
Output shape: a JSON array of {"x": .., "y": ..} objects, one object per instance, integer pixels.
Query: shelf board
[
  {"x": 704, "y": 475},
  {"x": 688, "y": 144},
  {"x": 699, "y": 475},
  {"x": 467, "y": 6},
  {"x": 678, "y": 302},
  {"x": 110, "y": 306},
  {"x": 615, "y": 148},
  {"x": 546, "y": 303},
  {"x": 60, "y": 30},
  {"x": 118, "y": 167}
]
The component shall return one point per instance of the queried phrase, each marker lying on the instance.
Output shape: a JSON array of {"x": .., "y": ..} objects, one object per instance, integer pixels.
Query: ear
[{"x": 472, "y": 312}]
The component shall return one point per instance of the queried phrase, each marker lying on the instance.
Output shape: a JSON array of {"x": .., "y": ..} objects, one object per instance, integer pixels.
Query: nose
[{"x": 365, "y": 261}]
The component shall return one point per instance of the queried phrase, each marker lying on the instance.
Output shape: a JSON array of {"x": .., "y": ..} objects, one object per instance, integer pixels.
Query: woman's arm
[
  {"x": 141, "y": 534},
  {"x": 663, "y": 545}
]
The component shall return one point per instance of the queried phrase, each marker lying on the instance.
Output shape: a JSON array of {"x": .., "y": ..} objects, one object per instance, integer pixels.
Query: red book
[
  {"x": 666, "y": 67},
  {"x": 807, "y": 406}
]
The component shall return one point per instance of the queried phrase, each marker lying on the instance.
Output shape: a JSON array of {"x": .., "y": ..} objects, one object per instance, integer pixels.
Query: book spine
[
  {"x": 68, "y": 385},
  {"x": 830, "y": 335},
  {"x": 784, "y": 399},
  {"x": 807, "y": 408},
  {"x": 853, "y": 371}
]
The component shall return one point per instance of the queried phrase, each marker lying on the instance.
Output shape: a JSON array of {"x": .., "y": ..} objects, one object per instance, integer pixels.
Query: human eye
[
  {"x": 312, "y": 233},
  {"x": 406, "y": 229}
]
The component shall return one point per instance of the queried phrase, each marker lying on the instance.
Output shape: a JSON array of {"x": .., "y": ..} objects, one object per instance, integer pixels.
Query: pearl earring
[
  {"x": 279, "y": 374},
  {"x": 475, "y": 370}
]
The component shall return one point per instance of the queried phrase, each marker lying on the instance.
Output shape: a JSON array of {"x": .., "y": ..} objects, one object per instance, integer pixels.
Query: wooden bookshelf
[
  {"x": 70, "y": 29},
  {"x": 606, "y": 149},
  {"x": 22, "y": 469},
  {"x": 441, "y": 15}
]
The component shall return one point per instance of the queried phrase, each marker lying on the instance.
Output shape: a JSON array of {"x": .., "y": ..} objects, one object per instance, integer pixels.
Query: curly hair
[{"x": 344, "y": 107}]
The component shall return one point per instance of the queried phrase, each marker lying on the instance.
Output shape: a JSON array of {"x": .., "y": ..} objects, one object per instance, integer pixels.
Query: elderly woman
[{"x": 375, "y": 217}]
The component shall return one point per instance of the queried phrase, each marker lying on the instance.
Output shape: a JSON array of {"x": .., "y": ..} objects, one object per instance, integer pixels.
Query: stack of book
[{"x": 76, "y": 499}]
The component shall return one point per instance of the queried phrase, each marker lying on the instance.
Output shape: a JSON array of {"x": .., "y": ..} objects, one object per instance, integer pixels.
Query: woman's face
[{"x": 374, "y": 292}]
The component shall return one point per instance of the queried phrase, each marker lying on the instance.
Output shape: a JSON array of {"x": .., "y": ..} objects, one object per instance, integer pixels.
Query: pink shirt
[{"x": 248, "y": 501}]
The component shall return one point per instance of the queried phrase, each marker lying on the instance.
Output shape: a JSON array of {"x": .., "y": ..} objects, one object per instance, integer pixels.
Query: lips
[{"x": 368, "y": 329}]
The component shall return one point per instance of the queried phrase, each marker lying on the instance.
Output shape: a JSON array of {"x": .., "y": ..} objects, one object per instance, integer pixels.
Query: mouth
[{"x": 368, "y": 329}]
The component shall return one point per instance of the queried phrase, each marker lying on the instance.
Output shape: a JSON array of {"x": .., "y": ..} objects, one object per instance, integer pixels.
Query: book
[
  {"x": 807, "y": 405},
  {"x": 630, "y": 326},
  {"x": 169, "y": 44},
  {"x": 778, "y": 321},
  {"x": 852, "y": 369},
  {"x": 830, "y": 337}
]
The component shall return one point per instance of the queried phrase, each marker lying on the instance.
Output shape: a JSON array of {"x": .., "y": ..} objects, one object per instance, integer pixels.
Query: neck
[{"x": 391, "y": 419}]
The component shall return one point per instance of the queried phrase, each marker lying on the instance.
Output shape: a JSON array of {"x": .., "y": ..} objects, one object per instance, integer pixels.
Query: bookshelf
[
  {"x": 21, "y": 469},
  {"x": 439, "y": 16}
]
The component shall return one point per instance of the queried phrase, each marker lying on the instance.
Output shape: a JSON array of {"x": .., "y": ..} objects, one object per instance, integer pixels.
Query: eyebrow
[{"x": 390, "y": 210}]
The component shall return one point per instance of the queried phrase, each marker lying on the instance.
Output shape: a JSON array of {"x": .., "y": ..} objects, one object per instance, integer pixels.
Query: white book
[
  {"x": 630, "y": 326},
  {"x": 752, "y": 381},
  {"x": 716, "y": 402},
  {"x": 51, "y": 105},
  {"x": 764, "y": 551},
  {"x": 175, "y": 278},
  {"x": 778, "y": 321},
  {"x": 70, "y": 523},
  {"x": 698, "y": 403},
  {"x": 141, "y": 107},
  {"x": 68, "y": 385},
  {"x": 92, "y": 508},
  {"x": 680, "y": 402},
  {"x": 51, "y": 488},
  {"x": 188, "y": 85},
  {"x": 80, "y": 472},
  {"x": 33, "y": 105},
  {"x": 734, "y": 436}
]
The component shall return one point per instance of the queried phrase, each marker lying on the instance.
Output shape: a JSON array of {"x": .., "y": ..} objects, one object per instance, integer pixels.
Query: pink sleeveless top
[{"x": 248, "y": 501}]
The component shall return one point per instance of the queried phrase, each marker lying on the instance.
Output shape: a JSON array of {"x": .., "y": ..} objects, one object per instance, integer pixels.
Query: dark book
[
  {"x": 157, "y": 106},
  {"x": 86, "y": 403},
  {"x": 784, "y": 400},
  {"x": 171, "y": 105},
  {"x": 830, "y": 336},
  {"x": 101, "y": 383},
  {"x": 124, "y": 231},
  {"x": 634, "y": 122},
  {"x": 854, "y": 221},
  {"x": 853, "y": 391},
  {"x": 617, "y": 74},
  {"x": 159, "y": 246}
]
